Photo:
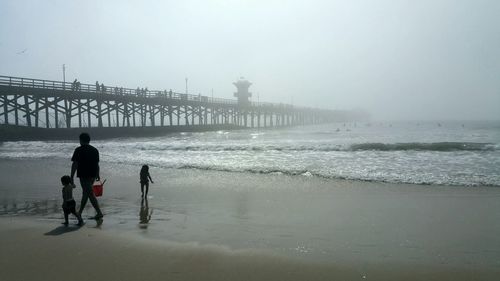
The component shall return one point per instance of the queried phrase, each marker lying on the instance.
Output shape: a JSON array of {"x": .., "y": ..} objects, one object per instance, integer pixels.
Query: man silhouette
[{"x": 86, "y": 165}]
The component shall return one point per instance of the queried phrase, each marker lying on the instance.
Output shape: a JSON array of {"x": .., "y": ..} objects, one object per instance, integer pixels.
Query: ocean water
[{"x": 438, "y": 153}]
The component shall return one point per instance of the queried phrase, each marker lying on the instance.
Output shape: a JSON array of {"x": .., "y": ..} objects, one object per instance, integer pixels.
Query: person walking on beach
[
  {"x": 69, "y": 203},
  {"x": 86, "y": 165},
  {"x": 145, "y": 177}
]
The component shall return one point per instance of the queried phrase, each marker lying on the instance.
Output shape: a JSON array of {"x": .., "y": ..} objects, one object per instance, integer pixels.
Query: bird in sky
[{"x": 22, "y": 52}]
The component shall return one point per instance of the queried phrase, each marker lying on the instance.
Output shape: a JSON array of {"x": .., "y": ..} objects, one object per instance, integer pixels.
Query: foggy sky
[{"x": 398, "y": 59}]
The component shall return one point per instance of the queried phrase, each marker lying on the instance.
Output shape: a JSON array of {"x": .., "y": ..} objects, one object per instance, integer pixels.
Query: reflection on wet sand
[
  {"x": 144, "y": 214},
  {"x": 42, "y": 207},
  {"x": 49, "y": 209}
]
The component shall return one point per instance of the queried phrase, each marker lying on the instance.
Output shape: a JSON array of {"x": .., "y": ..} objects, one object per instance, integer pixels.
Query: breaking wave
[
  {"x": 367, "y": 178},
  {"x": 417, "y": 146},
  {"x": 433, "y": 146}
]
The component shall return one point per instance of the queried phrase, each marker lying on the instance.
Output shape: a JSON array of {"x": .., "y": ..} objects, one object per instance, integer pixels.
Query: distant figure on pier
[
  {"x": 170, "y": 93},
  {"x": 103, "y": 89},
  {"x": 97, "y": 86},
  {"x": 116, "y": 90},
  {"x": 138, "y": 91},
  {"x": 145, "y": 177},
  {"x": 74, "y": 85},
  {"x": 78, "y": 85}
]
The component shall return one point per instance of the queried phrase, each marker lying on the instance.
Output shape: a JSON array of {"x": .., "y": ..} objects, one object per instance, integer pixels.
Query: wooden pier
[{"x": 35, "y": 103}]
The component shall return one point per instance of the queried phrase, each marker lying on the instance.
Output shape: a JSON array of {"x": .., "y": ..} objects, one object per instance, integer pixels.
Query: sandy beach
[
  {"x": 36, "y": 250},
  {"x": 208, "y": 225}
]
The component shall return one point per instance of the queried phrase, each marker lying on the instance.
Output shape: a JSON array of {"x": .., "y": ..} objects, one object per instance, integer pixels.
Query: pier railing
[
  {"x": 72, "y": 87},
  {"x": 109, "y": 90}
]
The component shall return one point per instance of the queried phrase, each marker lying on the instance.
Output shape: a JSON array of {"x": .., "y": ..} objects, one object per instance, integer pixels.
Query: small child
[
  {"x": 145, "y": 178},
  {"x": 69, "y": 203}
]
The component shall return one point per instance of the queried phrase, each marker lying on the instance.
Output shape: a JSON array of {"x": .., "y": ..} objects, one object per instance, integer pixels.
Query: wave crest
[
  {"x": 433, "y": 146},
  {"x": 366, "y": 178},
  {"x": 417, "y": 146}
]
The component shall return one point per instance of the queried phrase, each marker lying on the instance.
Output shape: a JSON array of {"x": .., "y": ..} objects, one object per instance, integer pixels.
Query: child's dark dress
[{"x": 69, "y": 203}]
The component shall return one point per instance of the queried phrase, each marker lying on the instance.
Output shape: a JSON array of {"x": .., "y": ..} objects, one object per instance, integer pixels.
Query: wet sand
[
  {"x": 229, "y": 226},
  {"x": 34, "y": 250}
]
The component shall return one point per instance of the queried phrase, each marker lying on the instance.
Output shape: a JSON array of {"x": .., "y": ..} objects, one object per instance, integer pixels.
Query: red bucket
[{"x": 98, "y": 188}]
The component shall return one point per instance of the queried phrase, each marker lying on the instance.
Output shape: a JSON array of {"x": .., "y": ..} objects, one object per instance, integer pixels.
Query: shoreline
[{"x": 298, "y": 175}]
